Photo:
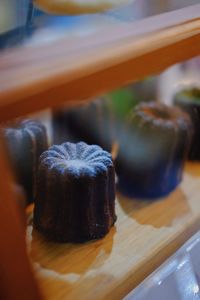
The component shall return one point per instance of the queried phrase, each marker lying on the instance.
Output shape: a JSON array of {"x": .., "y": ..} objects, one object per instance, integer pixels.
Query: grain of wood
[{"x": 146, "y": 233}]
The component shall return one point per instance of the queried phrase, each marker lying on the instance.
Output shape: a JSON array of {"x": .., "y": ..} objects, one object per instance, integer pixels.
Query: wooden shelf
[
  {"x": 144, "y": 236},
  {"x": 33, "y": 78}
]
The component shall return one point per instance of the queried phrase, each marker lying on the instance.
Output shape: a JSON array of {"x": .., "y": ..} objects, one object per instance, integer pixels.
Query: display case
[{"x": 48, "y": 61}]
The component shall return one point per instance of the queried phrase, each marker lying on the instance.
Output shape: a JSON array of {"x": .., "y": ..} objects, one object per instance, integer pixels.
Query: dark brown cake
[
  {"x": 153, "y": 150},
  {"x": 91, "y": 123},
  {"x": 189, "y": 101},
  {"x": 26, "y": 140},
  {"x": 75, "y": 193}
]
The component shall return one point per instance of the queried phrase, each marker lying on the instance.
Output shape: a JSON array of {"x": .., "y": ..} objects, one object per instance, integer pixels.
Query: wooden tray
[
  {"x": 146, "y": 233},
  {"x": 73, "y": 68}
]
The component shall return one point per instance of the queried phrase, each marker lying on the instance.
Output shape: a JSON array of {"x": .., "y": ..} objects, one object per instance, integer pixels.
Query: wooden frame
[{"x": 17, "y": 278}]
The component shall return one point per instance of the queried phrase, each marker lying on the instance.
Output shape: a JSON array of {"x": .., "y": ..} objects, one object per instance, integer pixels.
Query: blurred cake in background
[
  {"x": 188, "y": 99},
  {"x": 90, "y": 122},
  {"x": 153, "y": 150},
  {"x": 123, "y": 100},
  {"x": 26, "y": 140},
  {"x": 101, "y": 121}
]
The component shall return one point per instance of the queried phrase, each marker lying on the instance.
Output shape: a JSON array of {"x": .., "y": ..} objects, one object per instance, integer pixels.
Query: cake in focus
[
  {"x": 189, "y": 101},
  {"x": 75, "y": 193},
  {"x": 26, "y": 140},
  {"x": 153, "y": 151}
]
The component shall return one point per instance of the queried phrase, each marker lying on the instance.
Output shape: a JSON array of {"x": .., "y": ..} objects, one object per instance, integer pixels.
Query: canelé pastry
[
  {"x": 189, "y": 101},
  {"x": 91, "y": 123},
  {"x": 75, "y": 193},
  {"x": 153, "y": 151},
  {"x": 26, "y": 140}
]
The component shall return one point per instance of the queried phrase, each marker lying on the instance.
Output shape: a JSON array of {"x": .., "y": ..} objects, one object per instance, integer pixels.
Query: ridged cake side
[
  {"x": 26, "y": 141},
  {"x": 75, "y": 193}
]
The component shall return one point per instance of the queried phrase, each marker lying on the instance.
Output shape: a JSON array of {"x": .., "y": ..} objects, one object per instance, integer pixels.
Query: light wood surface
[
  {"x": 144, "y": 236},
  {"x": 32, "y": 78}
]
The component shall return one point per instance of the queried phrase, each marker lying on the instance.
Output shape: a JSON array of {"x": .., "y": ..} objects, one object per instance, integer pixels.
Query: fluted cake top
[
  {"x": 160, "y": 114},
  {"x": 24, "y": 125},
  {"x": 188, "y": 96},
  {"x": 76, "y": 159}
]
